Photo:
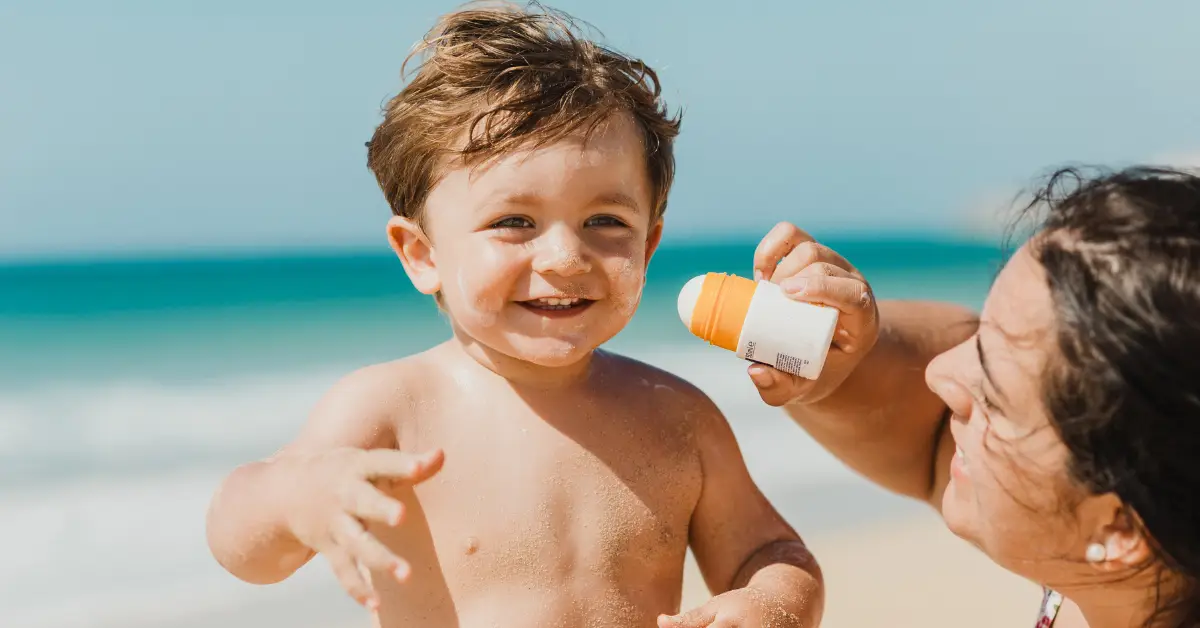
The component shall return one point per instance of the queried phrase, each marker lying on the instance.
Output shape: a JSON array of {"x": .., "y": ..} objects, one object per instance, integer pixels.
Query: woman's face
[{"x": 1009, "y": 490}]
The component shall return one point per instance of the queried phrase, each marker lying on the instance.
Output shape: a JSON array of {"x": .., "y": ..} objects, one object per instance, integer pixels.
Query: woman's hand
[{"x": 811, "y": 272}]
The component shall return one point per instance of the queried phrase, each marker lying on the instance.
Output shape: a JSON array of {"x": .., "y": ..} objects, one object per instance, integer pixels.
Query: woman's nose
[
  {"x": 559, "y": 251},
  {"x": 944, "y": 377}
]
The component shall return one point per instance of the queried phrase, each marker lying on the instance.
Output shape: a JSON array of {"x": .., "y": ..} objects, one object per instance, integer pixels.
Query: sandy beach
[{"x": 908, "y": 572}]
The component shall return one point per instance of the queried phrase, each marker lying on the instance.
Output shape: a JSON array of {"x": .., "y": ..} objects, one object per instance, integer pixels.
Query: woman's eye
[
  {"x": 605, "y": 221},
  {"x": 512, "y": 222}
]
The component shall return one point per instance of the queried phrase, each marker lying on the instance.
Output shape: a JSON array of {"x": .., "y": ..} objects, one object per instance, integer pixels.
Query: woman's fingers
[
  {"x": 775, "y": 387},
  {"x": 811, "y": 253},
  {"x": 775, "y": 246},
  {"x": 850, "y": 295}
]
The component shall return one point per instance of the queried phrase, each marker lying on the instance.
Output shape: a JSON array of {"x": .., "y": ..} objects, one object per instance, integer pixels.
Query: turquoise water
[{"x": 197, "y": 318}]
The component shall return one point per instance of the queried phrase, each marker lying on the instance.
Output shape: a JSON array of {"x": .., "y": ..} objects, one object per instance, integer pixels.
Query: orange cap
[{"x": 714, "y": 307}]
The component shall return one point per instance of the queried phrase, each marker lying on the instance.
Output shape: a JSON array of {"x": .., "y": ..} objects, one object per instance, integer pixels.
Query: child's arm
[
  {"x": 269, "y": 517},
  {"x": 748, "y": 554}
]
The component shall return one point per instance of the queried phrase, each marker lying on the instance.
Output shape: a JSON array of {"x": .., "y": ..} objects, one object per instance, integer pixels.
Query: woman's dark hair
[{"x": 1121, "y": 252}]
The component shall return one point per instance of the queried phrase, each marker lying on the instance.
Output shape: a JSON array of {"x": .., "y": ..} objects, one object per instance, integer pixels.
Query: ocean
[{"x": 129, "y": 387}]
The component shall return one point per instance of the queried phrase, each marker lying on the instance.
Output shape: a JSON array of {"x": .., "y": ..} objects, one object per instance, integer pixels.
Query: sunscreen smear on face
[{"x": 758, "y": 322}]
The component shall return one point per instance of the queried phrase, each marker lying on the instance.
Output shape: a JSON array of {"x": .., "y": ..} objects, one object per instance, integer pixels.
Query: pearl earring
[{"x": 1096, "y": 553}]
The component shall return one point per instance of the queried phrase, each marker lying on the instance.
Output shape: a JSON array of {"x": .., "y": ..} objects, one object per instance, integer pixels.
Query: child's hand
[
  {"x": 808, "y": 271},
  {"x": 740, "y": 608},
  {"x": 335, "y": 496}
]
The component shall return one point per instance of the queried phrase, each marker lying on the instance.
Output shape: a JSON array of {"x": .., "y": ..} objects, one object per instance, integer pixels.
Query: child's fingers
[
  {"x": 397, "y": 465},
  {"x": 810, "y": 253},
  {"x": 700, "y": 617},
  {"x": 368, "y": 551},
  {"x": 366, "y": 502},
  {"x": 351, "y": 578},
  {"x": 776, "y": 245}
]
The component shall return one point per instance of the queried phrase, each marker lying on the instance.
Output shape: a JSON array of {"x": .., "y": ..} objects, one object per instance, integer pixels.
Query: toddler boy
[{"x": 517, "y": 475}]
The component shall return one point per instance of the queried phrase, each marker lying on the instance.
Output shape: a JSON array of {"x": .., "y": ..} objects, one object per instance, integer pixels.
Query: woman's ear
[
  {"x": 415, "y": 251},
  {"x": 1125, "y": 545}
]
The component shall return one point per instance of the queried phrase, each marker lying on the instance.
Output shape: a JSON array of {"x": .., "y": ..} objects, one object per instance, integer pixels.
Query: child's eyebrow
[
  {"x": 521, "y": 198},
  {"x": 533, "y": 199},
  {"x": 618, "y": 198}
]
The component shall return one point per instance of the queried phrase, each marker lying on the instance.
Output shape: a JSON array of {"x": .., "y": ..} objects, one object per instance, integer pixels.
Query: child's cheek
[
  {"x": 482, "y": 290},
  {"x": 628, "y": 280}
]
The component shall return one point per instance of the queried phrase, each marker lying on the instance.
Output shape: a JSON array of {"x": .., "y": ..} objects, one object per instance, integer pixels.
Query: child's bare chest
[
  {"x": 523, "y": 504},
  {"x": 591, "y": 490}
]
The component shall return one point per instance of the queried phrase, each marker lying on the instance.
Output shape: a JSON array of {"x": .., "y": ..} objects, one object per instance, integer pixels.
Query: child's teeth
[{"x": 557, "y": 302}]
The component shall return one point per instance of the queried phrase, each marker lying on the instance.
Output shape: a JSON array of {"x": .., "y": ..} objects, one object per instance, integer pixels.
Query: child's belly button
[{"x": 471, "y": 545}]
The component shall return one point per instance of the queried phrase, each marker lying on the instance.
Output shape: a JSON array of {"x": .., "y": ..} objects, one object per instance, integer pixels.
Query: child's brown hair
[{"x": 498, "y": 78}]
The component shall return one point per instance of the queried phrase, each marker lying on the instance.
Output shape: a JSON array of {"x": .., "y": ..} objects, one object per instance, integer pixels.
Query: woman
[{"x": 1058, "y": 431}]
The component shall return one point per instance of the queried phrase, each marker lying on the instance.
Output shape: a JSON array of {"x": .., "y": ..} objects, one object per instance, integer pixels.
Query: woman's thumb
[{"x": 776, "y": 388}]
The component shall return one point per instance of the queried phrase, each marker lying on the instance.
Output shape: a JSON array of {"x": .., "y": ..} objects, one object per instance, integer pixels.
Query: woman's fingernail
[
  {"x": 760, "y": 376},
  {"x": 794, "y": 285}
]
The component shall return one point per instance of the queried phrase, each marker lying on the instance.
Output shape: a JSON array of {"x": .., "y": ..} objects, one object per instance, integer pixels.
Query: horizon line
[{"x": 236, "y": 253}]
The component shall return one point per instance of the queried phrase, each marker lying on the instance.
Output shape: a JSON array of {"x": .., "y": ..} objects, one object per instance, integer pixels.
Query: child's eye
[
  {"x": 605, "y": 221},
  {"x": 512, "y": 222}
]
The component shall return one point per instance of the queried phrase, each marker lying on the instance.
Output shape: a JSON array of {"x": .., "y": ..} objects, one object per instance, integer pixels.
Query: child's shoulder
[
  {"x": 662, "y": 396},
  {"x": 384, "y": 381},
  {"x": 666, "y": 390},
  {"x": 361, "y": 407}
]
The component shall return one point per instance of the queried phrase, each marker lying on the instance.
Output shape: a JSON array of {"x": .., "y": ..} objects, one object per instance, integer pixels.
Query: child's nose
[{"x": 561, "y": 252}]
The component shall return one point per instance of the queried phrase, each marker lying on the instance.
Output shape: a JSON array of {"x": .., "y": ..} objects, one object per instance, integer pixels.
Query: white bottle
[{"x": 758, "y": 322}]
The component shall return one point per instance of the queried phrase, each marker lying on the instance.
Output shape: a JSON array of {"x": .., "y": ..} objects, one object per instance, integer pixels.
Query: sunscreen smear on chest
[{"x": 758, "y": 322}]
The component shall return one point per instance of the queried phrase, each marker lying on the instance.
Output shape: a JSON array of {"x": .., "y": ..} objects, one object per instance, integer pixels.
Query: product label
[
  {"x": 788, "y": 364},
  {"x": 789, "y": 335}
]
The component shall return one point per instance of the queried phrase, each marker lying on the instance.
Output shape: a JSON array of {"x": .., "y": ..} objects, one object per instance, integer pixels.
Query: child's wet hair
[{"x": 497, "y": 78}]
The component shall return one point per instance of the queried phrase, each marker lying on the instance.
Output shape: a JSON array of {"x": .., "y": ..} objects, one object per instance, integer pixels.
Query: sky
[{"x": 151, "y": 126}]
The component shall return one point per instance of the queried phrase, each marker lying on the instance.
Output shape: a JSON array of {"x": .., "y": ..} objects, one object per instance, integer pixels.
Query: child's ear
[
  {"x": 415, "y": 251},
  {"x": 653, "y": 238}
]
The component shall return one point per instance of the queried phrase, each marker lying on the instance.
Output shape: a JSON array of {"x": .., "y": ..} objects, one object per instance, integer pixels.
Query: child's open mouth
[{"x": 556, "y": 307}]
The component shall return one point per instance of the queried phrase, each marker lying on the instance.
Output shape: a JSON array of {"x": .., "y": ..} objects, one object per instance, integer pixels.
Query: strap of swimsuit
[{"x": 1051, "y": 602}]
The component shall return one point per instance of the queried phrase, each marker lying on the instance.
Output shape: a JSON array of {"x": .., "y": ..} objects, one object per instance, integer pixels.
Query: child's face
[{"x": 540, "y": 255}]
